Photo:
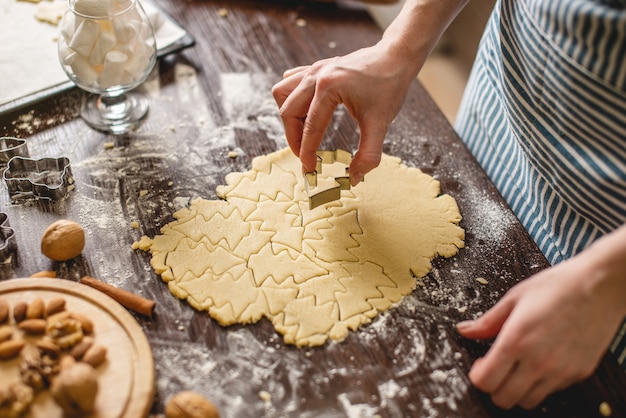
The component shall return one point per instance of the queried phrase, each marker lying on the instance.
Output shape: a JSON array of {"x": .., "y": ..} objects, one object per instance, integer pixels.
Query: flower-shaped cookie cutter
[
  {"x": 8, "y": 243},
  {"x": 12, "y": 147},
  {"x": 338, "y": 180},
  {"x": 44, "y": 178}
]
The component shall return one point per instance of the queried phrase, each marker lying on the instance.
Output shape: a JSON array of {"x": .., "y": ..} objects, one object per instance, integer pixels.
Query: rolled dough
[{"x": 315, "y": 274}]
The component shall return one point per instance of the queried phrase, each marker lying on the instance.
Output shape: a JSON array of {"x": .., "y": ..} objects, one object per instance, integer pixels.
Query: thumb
[{"x": 488, "y": 325}]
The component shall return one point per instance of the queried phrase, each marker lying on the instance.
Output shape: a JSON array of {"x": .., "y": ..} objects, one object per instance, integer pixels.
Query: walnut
[
  {"x": 37, "y": 369},
  {"x": 15, "y": 400},
  {"x": 63, "y": 240},
  {"x": 64, "y": 331},
  {"x": 190, "y": 405},
  {"x": 75, "y": 389}
]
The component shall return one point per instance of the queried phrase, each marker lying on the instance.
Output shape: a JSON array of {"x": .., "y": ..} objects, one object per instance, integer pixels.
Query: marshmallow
[
  {"x": 146, "y": 32},
  {"x": 70, "y": 23},
  {"x": 85, "y": 37},
  {"x": 127, "y": 79},
  {"x": 106, "y": 41},
  {"x": 85, "y": 73},
  {"x": 93, "y": 8},
  {"x": 112, "y": 69},
  {"x": 127, "y": 25},
  {"x": 138, "y": 63},
  {"x": 121, "y": 5},
  {"x": 126, "y": 48},
  {"x": 126, "y": 30},
  {"x": 67, "y": 55}
]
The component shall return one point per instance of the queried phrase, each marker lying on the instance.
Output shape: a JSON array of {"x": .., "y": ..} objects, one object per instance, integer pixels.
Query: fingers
[
  {"x": 491, "y": 372},
  {"x": 315, "y": 124},
  {"x": 528, "y": 387},
  {"x": 527, "y": 383},
  {"x": 513, "y": 388},
  {"x": 287, "y": 85},
  {"x": 488, "y": 325},
  {"x": 537, "y": 394},
  {"x": 510, "y": 383},
  {"x": 294, "y": 95},
  {"x": 370, "y": 150},
  {"x": 295, "y": 70},
  {"x": 305, "y": 111}
]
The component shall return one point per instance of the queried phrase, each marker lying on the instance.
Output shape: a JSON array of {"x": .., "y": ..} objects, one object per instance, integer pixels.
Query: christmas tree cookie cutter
[{"x": 331, "y": 176}]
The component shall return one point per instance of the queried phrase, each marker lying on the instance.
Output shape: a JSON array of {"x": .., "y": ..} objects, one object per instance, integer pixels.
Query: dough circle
[{"x": 315, "y": 274}]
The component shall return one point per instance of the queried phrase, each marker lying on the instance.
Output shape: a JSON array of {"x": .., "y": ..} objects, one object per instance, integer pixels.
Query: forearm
[
  {"x": 607, "y": 268},
  {"x": 418, "y": 27}
]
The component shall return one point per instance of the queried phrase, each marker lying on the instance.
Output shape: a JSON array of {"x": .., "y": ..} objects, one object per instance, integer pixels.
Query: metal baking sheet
[{"x": 182, "y": 39}]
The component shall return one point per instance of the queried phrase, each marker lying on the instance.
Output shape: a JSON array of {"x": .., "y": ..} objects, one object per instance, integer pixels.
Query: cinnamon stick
[{"x": 125, "y": 298}]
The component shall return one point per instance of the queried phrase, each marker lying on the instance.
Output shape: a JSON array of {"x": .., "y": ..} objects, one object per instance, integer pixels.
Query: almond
[
  {"x": 19, "y": 310},
  {"x": 35, "y": 309},
  {"x": 85, "y": 322},
  {"x": 66, "y": 361},
  {"x": 55, "y": 306},
  {"x": 95, "y": 355},
  {"x": 6, "y": 331},
  {"x": 11, "y": 348},
  {"x": 63, "y": 240},
  {"x": 79, "y": 350},
  {"x": 34, "y": 326},
  {"x": 48, "y": 347},
  {"x": 58, "y": 317},
  {"x": 4, "y": 311}
]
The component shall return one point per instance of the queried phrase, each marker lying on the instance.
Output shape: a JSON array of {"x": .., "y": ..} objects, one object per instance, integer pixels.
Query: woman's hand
[
  {"x": 371, "y": 83},
  {"x": 553, "y": 328}
]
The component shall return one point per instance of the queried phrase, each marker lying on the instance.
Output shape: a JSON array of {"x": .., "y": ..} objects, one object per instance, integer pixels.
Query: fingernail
[
  {"x": 356, "y": 178},
  {"x": 464, "y": 325}
]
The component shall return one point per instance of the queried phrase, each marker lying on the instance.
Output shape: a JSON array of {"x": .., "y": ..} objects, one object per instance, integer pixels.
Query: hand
[
  {"x": 552, "y": 330},
  {"x": 371, "y": 83}
]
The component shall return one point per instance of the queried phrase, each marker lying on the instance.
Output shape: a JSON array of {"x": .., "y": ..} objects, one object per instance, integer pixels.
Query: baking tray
[{"x": 184, "y": 41}]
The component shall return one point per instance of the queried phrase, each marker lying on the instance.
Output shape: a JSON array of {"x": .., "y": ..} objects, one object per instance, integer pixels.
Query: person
[{"x": 544, "y": 112}]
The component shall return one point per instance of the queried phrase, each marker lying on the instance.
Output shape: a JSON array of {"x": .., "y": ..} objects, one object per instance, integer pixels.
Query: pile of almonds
[{"x": 56, "y": 352}]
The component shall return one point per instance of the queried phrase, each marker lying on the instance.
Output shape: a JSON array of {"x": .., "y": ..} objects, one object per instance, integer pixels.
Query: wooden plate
[{"x": 126, "y": 379}]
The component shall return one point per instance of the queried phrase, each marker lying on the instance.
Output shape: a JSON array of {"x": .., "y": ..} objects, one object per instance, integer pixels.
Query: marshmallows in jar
[{"x": 106, "y": 43}]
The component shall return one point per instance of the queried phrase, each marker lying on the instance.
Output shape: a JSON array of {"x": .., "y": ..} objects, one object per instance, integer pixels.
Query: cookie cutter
[
  {"x": 318, "y": 195},
  {"x": 12, "y": 147},
  {"x": 44, "y": 178},
  {"x": 8, "y": 243}
]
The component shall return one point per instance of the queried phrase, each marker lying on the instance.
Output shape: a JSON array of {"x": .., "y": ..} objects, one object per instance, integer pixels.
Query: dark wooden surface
[{"x": 214, "y": 98}]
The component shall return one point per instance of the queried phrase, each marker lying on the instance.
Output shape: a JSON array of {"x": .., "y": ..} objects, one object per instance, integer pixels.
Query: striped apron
[{"x": 544, "y": 113}]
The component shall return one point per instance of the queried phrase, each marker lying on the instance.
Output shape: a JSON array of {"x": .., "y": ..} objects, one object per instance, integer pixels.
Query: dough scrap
[{"x": 315, "y": 274}]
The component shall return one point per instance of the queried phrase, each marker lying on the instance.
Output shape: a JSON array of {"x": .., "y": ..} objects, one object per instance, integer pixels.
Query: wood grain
[{"x": 215, "y": 98}]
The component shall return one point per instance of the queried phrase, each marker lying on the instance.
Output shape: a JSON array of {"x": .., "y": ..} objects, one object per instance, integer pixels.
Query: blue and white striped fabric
[{"x": 545, "y": 115}]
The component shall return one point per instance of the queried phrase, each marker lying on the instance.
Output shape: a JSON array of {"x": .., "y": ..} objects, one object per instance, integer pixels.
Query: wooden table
[{"x": 215, "y": 97}]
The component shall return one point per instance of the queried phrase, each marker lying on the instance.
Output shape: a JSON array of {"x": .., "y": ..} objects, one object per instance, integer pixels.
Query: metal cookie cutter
[
  {"x": 45, "y": 178},
  {"x": 11, "y": 147},
  {"x": 336, "y": 178},
  {"x": 8, "y": 244}
]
